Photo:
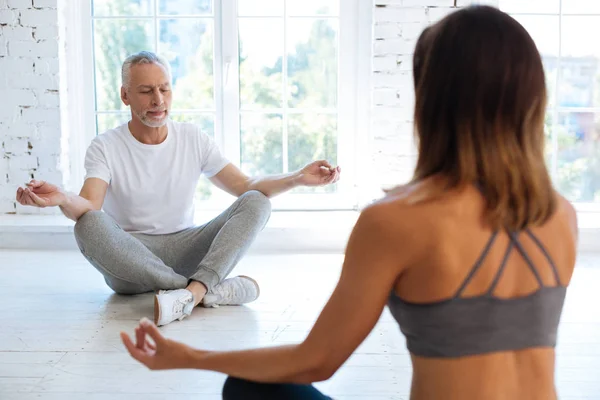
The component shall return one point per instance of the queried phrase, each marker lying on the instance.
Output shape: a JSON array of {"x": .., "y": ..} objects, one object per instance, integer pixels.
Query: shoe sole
[
  {"x": 156, "y": 310},
  {"x": 255, "y": 284}
]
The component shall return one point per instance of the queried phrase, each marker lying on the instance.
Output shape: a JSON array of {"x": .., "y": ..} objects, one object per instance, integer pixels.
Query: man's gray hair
[{"x": 142, "y": 57}]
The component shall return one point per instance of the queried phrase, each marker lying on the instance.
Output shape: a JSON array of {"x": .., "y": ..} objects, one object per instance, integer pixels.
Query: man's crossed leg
[{"x": 185, "y": 268}]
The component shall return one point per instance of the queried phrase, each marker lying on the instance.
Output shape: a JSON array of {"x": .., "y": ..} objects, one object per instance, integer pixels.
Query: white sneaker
[
  {"x": 170, "y": 305},
  {"x": 232, "y": 292}
]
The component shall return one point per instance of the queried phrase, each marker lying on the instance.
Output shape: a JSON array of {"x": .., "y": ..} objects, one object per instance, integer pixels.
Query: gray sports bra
[{"x": 463, "y": 326}]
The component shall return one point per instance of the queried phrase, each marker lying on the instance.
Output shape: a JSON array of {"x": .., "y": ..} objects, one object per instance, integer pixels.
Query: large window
[
  {"x": 565, "y": 32},
  {"x": 273, "y": 81}
]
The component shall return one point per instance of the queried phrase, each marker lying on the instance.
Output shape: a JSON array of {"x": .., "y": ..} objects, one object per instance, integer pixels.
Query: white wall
[
  {"x": 397, "y": 25},
  {"x": 29, "y": 82},
  {"x": 30, "y": 142}
]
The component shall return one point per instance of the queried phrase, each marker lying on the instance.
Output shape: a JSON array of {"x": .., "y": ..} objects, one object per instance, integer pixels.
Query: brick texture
[
  {"x": 396, "y": 26},
  {"x": 30, "y": 144}
]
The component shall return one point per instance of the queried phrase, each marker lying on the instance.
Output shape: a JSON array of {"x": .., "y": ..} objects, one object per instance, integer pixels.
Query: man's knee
[
  {"x": 258, "y": 202},
  {"x": 125, "y": 288},
  {"x": 93, "y": 228},
  {"x": 89, "y": 222}
]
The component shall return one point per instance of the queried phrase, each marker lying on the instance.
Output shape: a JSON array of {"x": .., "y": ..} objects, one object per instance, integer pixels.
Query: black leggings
[{"x": 239, "y": 389}]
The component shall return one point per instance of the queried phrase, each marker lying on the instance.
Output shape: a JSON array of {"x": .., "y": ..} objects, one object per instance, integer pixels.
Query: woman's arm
[{"x": 371, "y": 267}]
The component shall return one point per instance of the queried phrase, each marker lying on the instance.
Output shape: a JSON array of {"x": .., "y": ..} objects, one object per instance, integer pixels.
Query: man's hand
[
  {"x": 40, "y": 194},
  {"x": 318, "y": 173},
  {"x": 235, "y": 182},
  {"x": 160, "y": 353}
]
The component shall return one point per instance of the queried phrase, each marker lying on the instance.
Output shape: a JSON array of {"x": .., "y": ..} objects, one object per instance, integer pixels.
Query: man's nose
[{"x": 157, "y": 99}]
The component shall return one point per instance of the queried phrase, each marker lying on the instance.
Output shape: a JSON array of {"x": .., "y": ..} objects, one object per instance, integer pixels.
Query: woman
[{"x": 473, "y": 256}]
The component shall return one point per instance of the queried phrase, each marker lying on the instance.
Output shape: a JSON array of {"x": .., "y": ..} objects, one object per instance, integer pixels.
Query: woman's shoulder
[
  {"x": 425, "y": 212},
  {"x": 412, "y": 198},
  {"x": 567, "y": 214},
  {"x": 396, "y": 201},
  {"x": 400, "y": 213}
]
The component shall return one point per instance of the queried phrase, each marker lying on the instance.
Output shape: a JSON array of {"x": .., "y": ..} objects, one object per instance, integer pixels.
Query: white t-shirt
[{"x": 151, "y": 187}]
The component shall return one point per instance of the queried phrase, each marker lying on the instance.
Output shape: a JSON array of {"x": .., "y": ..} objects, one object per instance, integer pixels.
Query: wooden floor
[{"x": 59, "y": 328}]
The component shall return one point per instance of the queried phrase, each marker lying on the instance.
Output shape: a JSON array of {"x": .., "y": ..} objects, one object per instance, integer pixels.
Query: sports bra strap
[
  {"x": 501, "y": 269},
  {"x": 477, "y": 265},
  {"x": 515, "y": 240},
  {"x": 543, "y": 249}
]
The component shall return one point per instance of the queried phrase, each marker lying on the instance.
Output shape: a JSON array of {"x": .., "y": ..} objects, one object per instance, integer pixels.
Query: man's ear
[{"x": 124, "y": 97}]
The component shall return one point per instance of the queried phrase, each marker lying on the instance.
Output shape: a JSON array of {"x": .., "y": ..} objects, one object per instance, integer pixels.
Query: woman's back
[{"x": 482, "y": 354}]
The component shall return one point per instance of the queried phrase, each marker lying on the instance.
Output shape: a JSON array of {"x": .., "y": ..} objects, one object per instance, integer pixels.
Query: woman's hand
[{"x": 160, "y": 353}]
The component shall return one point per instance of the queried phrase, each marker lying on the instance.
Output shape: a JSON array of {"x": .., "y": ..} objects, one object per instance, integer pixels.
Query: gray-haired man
[{"x": 143, "y": 175}]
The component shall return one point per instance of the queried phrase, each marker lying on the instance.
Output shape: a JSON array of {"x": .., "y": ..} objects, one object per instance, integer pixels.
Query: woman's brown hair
[{"x": 479, "y": 114}]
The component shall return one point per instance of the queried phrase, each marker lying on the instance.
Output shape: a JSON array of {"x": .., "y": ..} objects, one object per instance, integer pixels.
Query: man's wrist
[
  {"x": 65, "y": 200},
  {"x": 296, "y": 177}
]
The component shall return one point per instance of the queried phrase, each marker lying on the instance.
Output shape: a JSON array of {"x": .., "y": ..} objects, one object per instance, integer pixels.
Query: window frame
[
  {"x": 354, "y": 54},
  {"x": 554, "y": 109}
]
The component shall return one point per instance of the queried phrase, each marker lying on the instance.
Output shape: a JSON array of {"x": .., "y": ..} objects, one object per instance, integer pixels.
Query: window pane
[
  {"x": 551, "y": 70},
  {"x": 544, "y": 32},
  {"x": 206, "y": 122},
  {"x": 114, "y": 40},
  {"x": 580, "y": 67},
  {"x": 261, "y": 49},
  {"x": 261, "y": 143},
  {"x": 204, "y": 190},
  {"x": 548, "y": 128},
  {"x": 260, "y": 7},
  {"x": 188, "y": 46},
  {"x": 530, "y": 6},
  {"x": 581, "y": 7},
  {"x": 185, "y": 7},
  {"x": 312, "y": 137},
  {"x": 312, "y": 62},
  {"x": 111, "y": 121},
  {"x": 579, "y": 156},
  {"x": 122, "y": 7},
  {"x": 313, "y": 7}
]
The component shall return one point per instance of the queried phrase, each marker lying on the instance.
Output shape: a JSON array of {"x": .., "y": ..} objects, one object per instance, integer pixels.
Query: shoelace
[
  {"x": 217, "y": 297},
  {"x": 235, "y": 290},
  {"x": 179, "y": 305},
  {"x": 226, "y": 296}
]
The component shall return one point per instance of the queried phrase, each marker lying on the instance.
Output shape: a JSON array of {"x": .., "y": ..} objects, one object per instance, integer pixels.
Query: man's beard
[{"x": 151, "y": 122}]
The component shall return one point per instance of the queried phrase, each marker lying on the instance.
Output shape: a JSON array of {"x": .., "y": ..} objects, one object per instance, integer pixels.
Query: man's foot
[
  {"x": 170, "y": 305},
  {"x": 198, "y": 290},
  {"x": 232, "y": 292}
]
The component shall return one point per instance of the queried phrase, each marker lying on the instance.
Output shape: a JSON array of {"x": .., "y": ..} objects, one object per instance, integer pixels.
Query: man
[{"x": 143, "y": 175}]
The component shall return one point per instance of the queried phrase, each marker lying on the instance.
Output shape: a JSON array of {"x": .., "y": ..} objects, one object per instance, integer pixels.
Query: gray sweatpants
[{"x": 137, "y": 263}]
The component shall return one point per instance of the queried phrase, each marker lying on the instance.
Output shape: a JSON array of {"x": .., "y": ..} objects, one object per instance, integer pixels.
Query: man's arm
[
  {"x": 43, "y": 194},
  {"x": 91, "y": 197},
  {"x": 235, "y": 182}
]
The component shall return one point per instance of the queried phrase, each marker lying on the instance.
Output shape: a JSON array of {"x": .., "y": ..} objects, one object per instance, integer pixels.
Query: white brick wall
[
  {"x": 30, "y": 114},
  {"x": 396, "y": 26}
]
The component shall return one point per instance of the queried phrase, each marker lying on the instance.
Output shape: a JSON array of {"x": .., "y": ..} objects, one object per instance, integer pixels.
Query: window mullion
[
  {"x": 349, "y": 47},
  {"x": 217, "y": 71},
  {"x": 228, "y": 66},
  {"x": 78, "y": 104},
  {"x": 156, "y": 27},
  {"x": 555, "y": 124},
  {"x": 284, "y": 97}
]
